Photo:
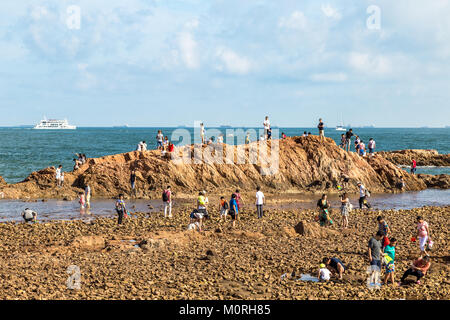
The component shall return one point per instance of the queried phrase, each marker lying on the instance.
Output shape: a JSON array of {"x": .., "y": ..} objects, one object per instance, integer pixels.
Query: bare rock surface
[
  {"x": 305, "y": 165},
  {"x": 246, "y": 262},
  {"x": 422, "y": 157}
]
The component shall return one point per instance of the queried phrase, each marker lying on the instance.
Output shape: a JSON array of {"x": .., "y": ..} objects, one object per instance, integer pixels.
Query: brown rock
[
  {"x": 313, "y": 229},
  {"x": 89, "y": 242},
  {"x": 441, "y": 181},
  {"x": 422, "y": 157}
]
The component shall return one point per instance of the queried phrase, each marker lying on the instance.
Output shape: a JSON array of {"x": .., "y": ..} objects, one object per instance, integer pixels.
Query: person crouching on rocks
[
  {"x": 196, "y": 220},
  {"x": 323, "y": 206},
  {"x": 29, "y": 215},
  {"x": 336, "y": 266},
  {"x": 121, "y": 209},
  {"x": 418, "y": 268},
  {"x": 323, "y": 274}
]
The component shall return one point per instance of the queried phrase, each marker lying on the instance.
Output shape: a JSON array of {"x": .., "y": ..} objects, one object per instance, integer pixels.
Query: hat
[
  {"x": 359, "y": 183},
  {"x": 322, "y": 265}
]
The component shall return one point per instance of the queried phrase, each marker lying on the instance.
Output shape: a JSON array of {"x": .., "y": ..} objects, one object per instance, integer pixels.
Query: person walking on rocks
[
  {"x": 239, "y": 200},
  {"x": 260, "y": 199},
  {"x": 323, "y": 206},
  {"x": 58, "y": 176},
  {"x": 120, "y": 209},
  {"x": 374, "y": 251},
  {"x": 413, "y": 166},
  {"x": 418, "y": 269},
  {"x": 82, "y": 201},
  {"x": 336, "y": 266},
  {"x": 320, "y": 126},
  {"x": 167, "y": 202},
  {"x": 223, "y": 208},
  {"x": 423, "y": 234},
  {"x": 234, "y": 210},
  {"x": 345, "y": 209},
  {"x": 362, "y": 196}
]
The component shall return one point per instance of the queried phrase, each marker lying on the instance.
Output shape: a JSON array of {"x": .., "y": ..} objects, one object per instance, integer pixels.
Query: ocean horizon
[{"x": 24, "y": 150}]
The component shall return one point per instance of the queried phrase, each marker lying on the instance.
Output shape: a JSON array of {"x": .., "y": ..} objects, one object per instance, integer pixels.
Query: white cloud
[
  {"x": 87, "y": 80},
  {"x": 296, "y": 21},
  {"x": 232, "y": 62},
  {"x": 331, "y": 12},
  {"x": 191, "y": 24},
  {"x": 329, "y": 77},
  {"x": 366, "y": 63},
  {"x": 38, "y": 12},
  {"x": 188, "y": 48}
]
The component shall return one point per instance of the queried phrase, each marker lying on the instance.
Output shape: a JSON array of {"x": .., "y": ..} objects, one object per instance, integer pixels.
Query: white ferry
[{"x": 54, "y": 124}]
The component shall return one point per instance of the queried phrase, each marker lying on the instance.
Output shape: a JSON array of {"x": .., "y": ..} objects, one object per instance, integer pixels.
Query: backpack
[
  {"x": 225, "y": 205},
  {"x": 165, "y": 197}
]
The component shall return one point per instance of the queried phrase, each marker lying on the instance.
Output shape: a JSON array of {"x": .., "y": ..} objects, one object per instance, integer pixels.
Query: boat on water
[
  {"x": 54, "y": 124},
  {"x": 341, "y": 126}
]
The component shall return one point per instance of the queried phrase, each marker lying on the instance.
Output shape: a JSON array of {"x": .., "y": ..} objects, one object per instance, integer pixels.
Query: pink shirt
[{"x": 422, "y": 227}]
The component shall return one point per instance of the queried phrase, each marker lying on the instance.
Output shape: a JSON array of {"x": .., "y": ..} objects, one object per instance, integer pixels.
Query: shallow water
[{"x": 10, "y": 210}]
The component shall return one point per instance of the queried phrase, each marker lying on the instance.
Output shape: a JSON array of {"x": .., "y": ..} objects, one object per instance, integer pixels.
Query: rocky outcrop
[
  {"x": 441, "y": 181},
  {"x": 314, "y": 230},
  {"x": 2, "y": 181},
  {"x": 305, "y": 165},
  {"x": 422, "y": 157}
]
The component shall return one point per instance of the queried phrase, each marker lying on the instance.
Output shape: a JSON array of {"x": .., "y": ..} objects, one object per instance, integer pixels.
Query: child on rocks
[
  {"x": 121, "y": 209},
  {"x": 223, "y": 208},
  {"x": 323, "y": 274}
]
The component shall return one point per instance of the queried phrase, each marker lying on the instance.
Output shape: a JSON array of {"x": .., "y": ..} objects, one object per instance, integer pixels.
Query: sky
[{"x": 225, "y": 62}]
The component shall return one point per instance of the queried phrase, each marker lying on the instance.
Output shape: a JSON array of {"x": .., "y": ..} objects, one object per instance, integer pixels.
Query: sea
[{"x": 24, "y": 150}]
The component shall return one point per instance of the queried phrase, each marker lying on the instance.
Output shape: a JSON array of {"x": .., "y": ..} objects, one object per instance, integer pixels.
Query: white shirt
[
  {"x": 362, "y": 191},
  {"x": 28, "y": 214},
  {"x": 266, "y": 124},
  {"x": 58, "y": 173},
  {"x": 259, "y": 198},
  {"x": 324, "y": 274},
  {"x": 144, "y": 147},
  {"x": 139, "y": 146},
  {"x": 160, "y": 137}
]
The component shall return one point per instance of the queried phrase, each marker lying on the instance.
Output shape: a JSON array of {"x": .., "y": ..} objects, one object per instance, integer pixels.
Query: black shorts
[{"x": 232, "y": 214}]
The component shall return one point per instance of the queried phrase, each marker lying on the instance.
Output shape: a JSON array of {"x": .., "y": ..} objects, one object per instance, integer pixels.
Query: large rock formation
[
  {"x": 2, "y": 181},
  {"x": 441, "y": 181},
  {"x": 305, "y": 164},
  {"x": 422, "y": 157}
]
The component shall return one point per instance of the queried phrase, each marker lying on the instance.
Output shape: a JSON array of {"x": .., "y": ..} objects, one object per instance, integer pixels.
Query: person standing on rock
[
  {"x": 234, "y": 209},
  {"x": 266, "y": 125},
  {"x": 362, "y": 196},
  {"x": 345, "y": 209},
  {"x": 260, "y": 199},
  {"x": 389, "y": 256},
  {"x": 418, "y": 269},
  {"x": 375, "y": 252},
  {"x": 323, "y": 206},
  {"x": 133, "y": 182},
  {"x": 223, "y": 208},
  {"x": 383, "y": 227},
  {"x": 202, "y": 133},
  {"x": 87, "y": 194},
  {"x": 239, "y": 200},
  {"x": 348, "y": 139},
  {"x": 343, "y": 141},
  {"x": 362, "y": 149},
  {"x": 320, "y": 126},
  {"x": 159, "y": 140},
  {"x": 423, "y": 234},
  {"x": 336, "y": 265},
  {"x": 82, "y": 201},
  {"x": 167, "y": 201},
  {"x": 371, "y": 146},
  {"x": 413, "y": 166},
  {"x": 120, "y": 209},
  {"x": 58, "y": 176}
]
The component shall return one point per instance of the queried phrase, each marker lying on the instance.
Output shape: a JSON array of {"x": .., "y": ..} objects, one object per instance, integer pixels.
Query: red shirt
[{"x": 414, "y": 163}]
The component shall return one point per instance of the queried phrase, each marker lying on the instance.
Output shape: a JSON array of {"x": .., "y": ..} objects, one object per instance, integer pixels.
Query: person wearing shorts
[
  {"x": 223, "y": 208},
  {"x": 320, "y": 126},
  {"x": 374, "y": 250},
  {"x": 389, "y": 257}
]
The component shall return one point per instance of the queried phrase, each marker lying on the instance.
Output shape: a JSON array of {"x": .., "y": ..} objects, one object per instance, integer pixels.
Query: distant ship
[
  {"x": 341, "y": 126},
  {"x": 54, "y": 124},
  {"x": 124, "y": 126}
]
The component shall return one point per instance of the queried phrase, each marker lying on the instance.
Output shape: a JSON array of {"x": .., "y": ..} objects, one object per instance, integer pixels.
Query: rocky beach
[{"x": 155, "y": 258}]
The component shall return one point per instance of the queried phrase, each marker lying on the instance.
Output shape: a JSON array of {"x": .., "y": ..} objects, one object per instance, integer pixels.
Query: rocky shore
[
  {"x": 153, "y": 258},
  {"x": 422, "y": 157},
  {"x": 306, "y": 165}
]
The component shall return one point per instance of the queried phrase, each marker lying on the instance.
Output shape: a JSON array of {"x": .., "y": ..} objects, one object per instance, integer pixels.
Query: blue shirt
[{"x": 233, "y": 204}]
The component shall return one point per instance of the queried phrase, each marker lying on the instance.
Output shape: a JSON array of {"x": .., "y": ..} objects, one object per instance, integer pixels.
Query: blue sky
[{"x": 168, "y": 63}]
